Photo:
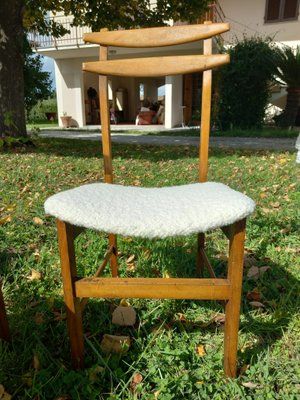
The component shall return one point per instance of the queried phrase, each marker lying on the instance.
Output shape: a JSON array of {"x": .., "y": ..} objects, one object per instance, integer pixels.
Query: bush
[
  {"x": 244, "y": 84},
  {"x": 38, "y": 112}
]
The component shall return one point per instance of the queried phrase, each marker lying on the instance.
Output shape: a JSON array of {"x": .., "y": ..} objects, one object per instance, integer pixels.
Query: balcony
[{"x": 73, "y": 39}]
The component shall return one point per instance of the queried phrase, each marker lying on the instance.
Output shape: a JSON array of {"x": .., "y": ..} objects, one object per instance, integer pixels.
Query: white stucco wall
[
  {"x": 173, "y": 101},
  {"x": 247, "y": 18},
  {"x": 69, "y": 84}
]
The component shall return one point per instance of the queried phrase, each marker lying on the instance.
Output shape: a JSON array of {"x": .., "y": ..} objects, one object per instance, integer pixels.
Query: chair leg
[
  {"x": 66, "y": 234},
  {"x": 200, "y": 261},
  {"x": 232, "y": 308},
  {"x": 4, "y": 328},
  {"x": 114, "y": 257}
]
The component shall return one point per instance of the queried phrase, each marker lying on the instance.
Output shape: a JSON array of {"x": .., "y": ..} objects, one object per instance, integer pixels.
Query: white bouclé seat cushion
[{"x": 150, "y": 212}]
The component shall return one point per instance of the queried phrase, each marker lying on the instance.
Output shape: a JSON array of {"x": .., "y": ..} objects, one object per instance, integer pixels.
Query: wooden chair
[
  {"x": 4, "y": 328},
  {"x": 153, "y": 212}
]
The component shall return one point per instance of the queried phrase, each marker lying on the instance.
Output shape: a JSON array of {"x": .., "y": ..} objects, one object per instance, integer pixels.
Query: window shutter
[
  {"x": 290, "y": 9},
  {"x": 273, "y": 10}
]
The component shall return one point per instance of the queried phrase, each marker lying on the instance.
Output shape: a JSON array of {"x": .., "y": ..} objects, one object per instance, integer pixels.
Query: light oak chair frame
[
  {"x": 4, "y": 327},
  {"x": 77, "y": 290}
]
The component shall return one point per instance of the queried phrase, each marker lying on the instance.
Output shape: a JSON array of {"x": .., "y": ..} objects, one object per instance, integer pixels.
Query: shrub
[
  {"x": 38, "y": 112},
  {"x": 244, "y": 84}
]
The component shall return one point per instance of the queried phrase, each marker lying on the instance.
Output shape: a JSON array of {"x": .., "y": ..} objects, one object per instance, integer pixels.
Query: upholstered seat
[{"x": 150, "y": 212}]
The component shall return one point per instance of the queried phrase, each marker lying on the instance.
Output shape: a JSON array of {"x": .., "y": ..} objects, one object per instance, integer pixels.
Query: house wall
[
  {"x": 247, "y": 18},
  {"x": 69, "y": 83}
]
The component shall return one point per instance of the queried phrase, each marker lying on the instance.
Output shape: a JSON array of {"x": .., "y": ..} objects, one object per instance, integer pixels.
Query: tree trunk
[
  {"x": 291, "y": 109},
  {"x": 12, "y": 110}
]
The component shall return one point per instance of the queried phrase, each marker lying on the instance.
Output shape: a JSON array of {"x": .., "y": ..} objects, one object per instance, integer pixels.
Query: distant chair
[
  {"x": 4, "y": 327},
  {"x": 153, "y": 212}
]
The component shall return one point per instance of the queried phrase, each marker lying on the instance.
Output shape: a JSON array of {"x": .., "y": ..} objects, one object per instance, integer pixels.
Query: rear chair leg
[
  {"x": 66, "y": 235},
  {"x": 232, "y": 308},
  {"x": 200, "y": 261},
  {"x": 114, "y": 257}
]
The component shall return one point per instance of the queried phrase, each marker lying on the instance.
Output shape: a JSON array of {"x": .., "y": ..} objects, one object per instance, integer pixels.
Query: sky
[{"x": 49, "y": 67}]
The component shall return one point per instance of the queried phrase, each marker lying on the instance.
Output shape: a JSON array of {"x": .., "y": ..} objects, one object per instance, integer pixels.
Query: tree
[
  {"x": 37, "y": 83},
  {"x": 17, "y": 16},
  {"x": 244, "y": 84},
  {"x": 288, "y": 72}
]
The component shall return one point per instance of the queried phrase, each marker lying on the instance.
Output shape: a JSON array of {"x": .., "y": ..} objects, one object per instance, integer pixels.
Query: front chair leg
[
  {"x": 232, "y": 308},
  {"x": 66, "y": 235}
]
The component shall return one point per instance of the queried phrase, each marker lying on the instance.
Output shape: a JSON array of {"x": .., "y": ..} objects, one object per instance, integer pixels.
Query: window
[{"x": 281, "y": 10}]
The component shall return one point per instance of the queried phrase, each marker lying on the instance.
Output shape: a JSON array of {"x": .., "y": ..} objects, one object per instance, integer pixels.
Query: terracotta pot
[{"x": 66, "y": 121}]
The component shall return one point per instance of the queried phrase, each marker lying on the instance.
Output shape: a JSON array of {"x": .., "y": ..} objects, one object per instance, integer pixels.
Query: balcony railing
[
  {"x": 71, "y": 39},
  {"x": 74, "y": 37}
]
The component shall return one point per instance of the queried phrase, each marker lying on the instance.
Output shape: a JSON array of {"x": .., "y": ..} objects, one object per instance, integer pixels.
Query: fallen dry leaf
[
  {"x": 6, "y": 396},
  {"x": 253, "y": 273},
  {"x": 249, "y": 260},
  {"x": 115, "y": 344},
  {"x": 136, "y": 379},
  {"x": 36, "y": 363},
  {"x": 251, "y": 385},
  {"x": 243, "y": 369},
  {"x": 124, "y": 303},
  {"x": 255, "y": 294},
  {"x": 2, "y": 390},
  {"x": 5, "y": 220},
  {"x": 264, "y": 269},
  {"x": 95, "y": 372},
  {"x": 35, "y": 275},
  {"x": 200, "y": 350},
  {"x": 275, "y": 205},
  {"x": 10, "y": 207},
  {"x": 219, "y": 319},
  {"x": 25, "y": 189},
  {"x": 124, "y": 316},
  {"x": 130, "y": 259},
  {"x": 256, "y": 304},
  {"x": 38, "y": 221}
]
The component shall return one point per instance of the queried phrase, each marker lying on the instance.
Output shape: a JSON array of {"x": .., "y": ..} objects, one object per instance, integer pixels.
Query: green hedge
[{"x": 244, "y": 84}]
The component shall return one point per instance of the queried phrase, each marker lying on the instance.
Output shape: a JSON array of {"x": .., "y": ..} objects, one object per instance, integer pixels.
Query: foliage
[
  {"x": 111, "y": 13},
  {"x": 176, "y": 346},
  {"x": 37, "y": 83},
  {"x": 37, "y": 113},
  {"x": 244, "y": 84},
  {"x": 287, "y": 63},
  {"x": 12, "y": 142}
]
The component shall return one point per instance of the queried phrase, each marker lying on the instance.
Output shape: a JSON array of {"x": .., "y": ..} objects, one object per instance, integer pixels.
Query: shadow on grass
[{"x": 46, "y": 326}]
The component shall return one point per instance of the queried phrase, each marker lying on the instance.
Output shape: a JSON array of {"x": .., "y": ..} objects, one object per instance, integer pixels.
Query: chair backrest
[{"x": 157, "y": 66}]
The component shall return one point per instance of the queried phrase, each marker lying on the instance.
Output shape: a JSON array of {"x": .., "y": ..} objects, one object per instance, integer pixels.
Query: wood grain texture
[
  {"x": 153, "y": 288},
  {"x": 4, "y": 328},
  {"x": 205, "y": 115},
  {"x": 156, "y": 37},
  {"x": 232, "y": 308},
  {"x": 156, "y": 66},
  {"x": 73, "y": 307},
  {"x": 105, "y": 122}
]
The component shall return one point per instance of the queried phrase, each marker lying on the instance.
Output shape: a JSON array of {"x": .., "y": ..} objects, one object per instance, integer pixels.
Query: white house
[{"x": 276, "y": 18}]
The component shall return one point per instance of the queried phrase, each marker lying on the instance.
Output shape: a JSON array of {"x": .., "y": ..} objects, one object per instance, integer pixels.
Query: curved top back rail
[
  {"x": 154, "y": 66},
  {"x": 156, "y": 37}
]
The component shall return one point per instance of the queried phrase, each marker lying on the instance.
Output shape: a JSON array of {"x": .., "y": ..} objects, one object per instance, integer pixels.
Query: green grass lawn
[
  {"x": 42, "y": 125},
  {"x": 265, "y": 132},
  {"x": 176, "y": 346}
]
